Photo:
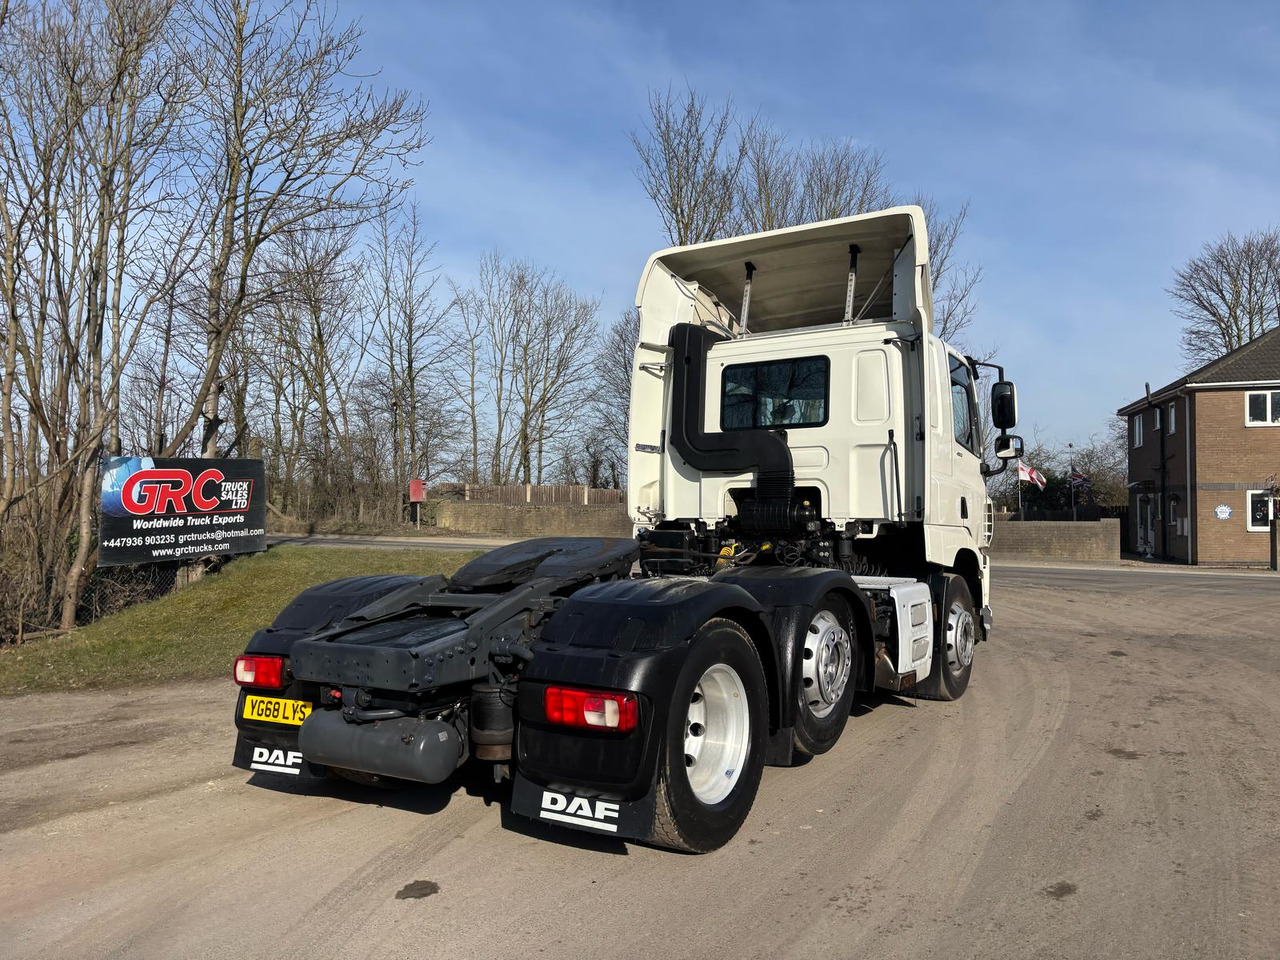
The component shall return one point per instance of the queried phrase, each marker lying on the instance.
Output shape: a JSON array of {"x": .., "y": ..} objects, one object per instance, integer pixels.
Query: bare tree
[
  {"x": 151, "y": 151},
  {"x": 520, "y": 370},
  {"x": 710, "y": 175},
  {"x": 954, "y": 284},
  {"x": 840, "y": 179},
  {"x": 94, "y": 235},
  {"x": 769, "y": 191},
  {"x": 466, "y": 369},
  {"x": 554, "y": 371},
  {"x": 287, "y": 138},
  {"x": 690, "y": 165},
  {"x": 408, "y": 337},
  {"x": 612, "y": 406},
  {"x": 781, "y": 185},
  {"x": 1228, "y": 294}
]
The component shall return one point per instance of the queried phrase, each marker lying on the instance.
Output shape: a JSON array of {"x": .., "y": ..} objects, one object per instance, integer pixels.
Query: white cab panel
[{"x": 913, "y": 623}]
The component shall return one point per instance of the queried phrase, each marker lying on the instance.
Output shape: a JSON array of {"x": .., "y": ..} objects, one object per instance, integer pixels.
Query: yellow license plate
[{"x": 275, "y": 710}]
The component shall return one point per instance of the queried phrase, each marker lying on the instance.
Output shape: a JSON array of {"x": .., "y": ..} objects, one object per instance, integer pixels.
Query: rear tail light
[
  {"x": 593, "y": 709},
  {"x": 255, "y": 671}
]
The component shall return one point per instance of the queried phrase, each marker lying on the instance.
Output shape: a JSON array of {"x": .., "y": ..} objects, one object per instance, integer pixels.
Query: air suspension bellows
[{"x": 492, "y": 726}]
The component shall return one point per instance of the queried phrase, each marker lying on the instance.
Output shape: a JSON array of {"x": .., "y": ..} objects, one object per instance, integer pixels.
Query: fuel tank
[{"x": 406, "y": 748}]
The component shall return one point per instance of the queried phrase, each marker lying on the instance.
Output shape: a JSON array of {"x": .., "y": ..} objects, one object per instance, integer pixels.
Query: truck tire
[
  {"x": 953, "y": 649},
  {"x": 828, "y": 677},
  {"x": 713, "y": 751}
]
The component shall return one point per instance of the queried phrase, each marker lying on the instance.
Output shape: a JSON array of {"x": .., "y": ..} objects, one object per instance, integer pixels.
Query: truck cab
[{"x": 819, "y": 338}]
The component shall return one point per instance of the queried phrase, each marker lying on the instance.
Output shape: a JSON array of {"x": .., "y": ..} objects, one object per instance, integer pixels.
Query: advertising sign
[{"x": 174, "y": 509}]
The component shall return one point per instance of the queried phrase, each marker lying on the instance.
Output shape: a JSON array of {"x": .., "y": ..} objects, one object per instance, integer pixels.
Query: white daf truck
[{"x": 807, "y": 482}]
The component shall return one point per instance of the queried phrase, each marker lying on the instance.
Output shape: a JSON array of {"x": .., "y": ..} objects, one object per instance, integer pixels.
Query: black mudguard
[
  {"x": 275, "y": 751},
  {"x": 789, "y": 594},
  {"x": 634, "y": 635},
  {"x": 273, "y": 748},
  {"x": 322, "y": 606},
  {"x": 622, "y": 635}
]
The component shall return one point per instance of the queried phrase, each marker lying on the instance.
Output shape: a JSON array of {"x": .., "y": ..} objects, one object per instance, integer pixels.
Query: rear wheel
[
  {"x": 827, "y": 678},
  {"x": 713, "y": 751},
  {"x": 953, "y": 651}
]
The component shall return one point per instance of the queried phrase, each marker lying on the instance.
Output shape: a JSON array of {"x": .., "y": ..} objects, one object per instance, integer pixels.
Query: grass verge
[{"x": 196, "y": 633}]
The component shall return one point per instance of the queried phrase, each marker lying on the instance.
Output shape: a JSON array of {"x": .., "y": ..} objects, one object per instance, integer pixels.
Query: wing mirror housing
[
  {"x": 1008, "y": 446},
  {"x": 1004, "y": 406}
]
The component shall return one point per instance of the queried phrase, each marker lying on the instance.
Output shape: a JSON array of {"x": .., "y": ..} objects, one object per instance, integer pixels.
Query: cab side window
[{"x": 964, "y": 422}]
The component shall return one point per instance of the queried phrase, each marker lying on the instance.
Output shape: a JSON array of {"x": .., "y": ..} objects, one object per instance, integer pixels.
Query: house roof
[{"x": 1258, "y": 361}]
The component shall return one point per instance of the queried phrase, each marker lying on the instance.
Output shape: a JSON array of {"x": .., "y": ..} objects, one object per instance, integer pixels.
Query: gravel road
[{"x": 1109, "y": 787}]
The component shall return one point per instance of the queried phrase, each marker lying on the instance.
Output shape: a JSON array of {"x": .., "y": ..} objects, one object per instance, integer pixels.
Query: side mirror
[
  {"x": 1004, "y": 405},
  {"x": 1008, "y": 447}
]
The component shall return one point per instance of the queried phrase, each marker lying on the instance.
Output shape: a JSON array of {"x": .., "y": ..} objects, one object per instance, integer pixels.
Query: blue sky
[{"x": 1099, "y": 145}]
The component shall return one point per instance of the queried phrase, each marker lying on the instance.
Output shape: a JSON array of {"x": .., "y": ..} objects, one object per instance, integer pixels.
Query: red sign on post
[{"x": 417, "y": 491}]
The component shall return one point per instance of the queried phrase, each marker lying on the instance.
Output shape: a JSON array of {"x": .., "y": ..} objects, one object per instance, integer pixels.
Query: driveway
[{"x": 1108, "y": 787}]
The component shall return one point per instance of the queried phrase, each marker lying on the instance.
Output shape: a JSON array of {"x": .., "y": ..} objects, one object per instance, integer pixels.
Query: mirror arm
[
  {"x": 987, "y": 469},
  {"x": 983, "y": 363}
]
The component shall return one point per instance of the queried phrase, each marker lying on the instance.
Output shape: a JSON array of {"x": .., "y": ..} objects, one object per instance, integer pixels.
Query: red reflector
[
  {"x": 255, "y": 671},
  {"x": 595, "y": 709}
]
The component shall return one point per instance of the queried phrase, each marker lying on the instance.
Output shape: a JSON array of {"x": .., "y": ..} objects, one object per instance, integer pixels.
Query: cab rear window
[{"x": 775, "y": 393}]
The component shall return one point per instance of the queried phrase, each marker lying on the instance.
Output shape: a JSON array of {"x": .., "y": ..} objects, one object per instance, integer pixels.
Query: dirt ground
[{"x": 1108, "y": 787}]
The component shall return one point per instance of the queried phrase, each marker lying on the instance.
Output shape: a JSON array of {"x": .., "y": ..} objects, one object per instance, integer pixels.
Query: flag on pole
[
  {"x": 1031, "y": 475},
  {"x": 1080, "y": 481}
]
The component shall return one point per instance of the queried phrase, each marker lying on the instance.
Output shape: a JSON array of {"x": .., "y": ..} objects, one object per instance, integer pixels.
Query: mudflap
[
  {"x": 275, "y": 753},
  {"x": 578, "y": 810}
]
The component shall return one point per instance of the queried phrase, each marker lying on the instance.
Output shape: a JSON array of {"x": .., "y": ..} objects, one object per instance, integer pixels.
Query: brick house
[{"x": 1200, "y": 452}]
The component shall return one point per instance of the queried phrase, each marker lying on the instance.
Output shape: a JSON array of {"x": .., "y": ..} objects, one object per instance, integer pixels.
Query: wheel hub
[
  {"x": 717, "y": 733},
  {"x": 961, "y": 634},
  {"x": 827, "y": 663}
]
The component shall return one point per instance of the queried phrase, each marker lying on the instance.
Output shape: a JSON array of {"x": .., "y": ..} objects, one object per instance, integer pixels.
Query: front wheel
[
  {"x": 713, "y": 751},
  {"x": 953, "y": 651}
]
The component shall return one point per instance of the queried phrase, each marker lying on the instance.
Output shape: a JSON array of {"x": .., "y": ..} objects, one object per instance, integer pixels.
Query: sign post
[
  {"x": 1273, "y": 484},
  {"x": 161, "y": 509},
  {"x": 417, "y": 493},
  {"x": 1275, "y": 554}
]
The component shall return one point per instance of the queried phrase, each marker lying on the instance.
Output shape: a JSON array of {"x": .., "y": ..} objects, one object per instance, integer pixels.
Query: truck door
[
  {"x": 968, "y": 491},
  {"x": 942, "y": 500}
]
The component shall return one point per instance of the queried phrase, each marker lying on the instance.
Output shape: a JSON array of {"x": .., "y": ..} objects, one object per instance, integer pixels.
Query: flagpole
[{"x": 1071, "y": 482}]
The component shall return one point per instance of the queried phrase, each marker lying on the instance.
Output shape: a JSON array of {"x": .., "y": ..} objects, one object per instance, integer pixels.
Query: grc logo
[{"x": 166, "y": 491}]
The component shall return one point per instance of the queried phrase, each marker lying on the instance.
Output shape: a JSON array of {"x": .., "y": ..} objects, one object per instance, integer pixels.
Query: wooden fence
[{"x": 541, "y": 494}]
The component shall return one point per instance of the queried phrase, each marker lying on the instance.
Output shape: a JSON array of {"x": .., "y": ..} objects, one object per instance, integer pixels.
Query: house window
[
  {"x": 1156, "y": 414},
  {"x": 1262, "y": 408},
  {"x": 1137, "y": 431},
  {"x": 1173, "y": 419},
  {"x": 1260, "y": 511}
]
